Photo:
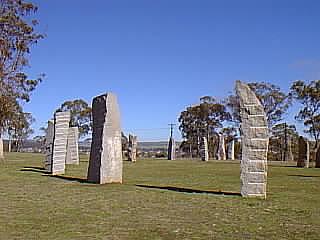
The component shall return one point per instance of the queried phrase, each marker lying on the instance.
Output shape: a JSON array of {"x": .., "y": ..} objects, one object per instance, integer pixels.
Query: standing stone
[
  {"x": 49, "y": 146},
  {"x": 72, "y": 146},
  {"x": 318, "y": 158},
  {"x": 61, "y": 128},
  {"x": 308, "y": 155},
  {"x": 288, "y": 153},
  {"x": 303, "y": 160},
  {"x": 221, "y": 148},
  {"x": 231, "y": 150},
  {"x": 105, "y": 165},
  {"x": 171, "y": 149},
  {"x": 204, "y": 149},
  {"x": 254, "y": 138},
  {"x": 132, "y": 148},
  {"x": 1, "y": 148}
]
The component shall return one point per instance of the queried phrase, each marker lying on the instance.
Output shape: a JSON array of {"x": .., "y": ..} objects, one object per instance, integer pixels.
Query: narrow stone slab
[
  {"x": 318, "y": 158},
  {"x": 105, "y": 165},
  {"x": 204, "y": 149},
  {"x": 1, "y": 148},
  {"x": 61, "y": 128},
  {"x": 72, "y": 146},
  {"x": 303, "y": 159},
  {"x": 255, "y": 140},
  {"x": 49, "y": 146},
  {"x": 171, "y": 149},
  {"x": 221, "y": 148},
  {"x": 132, "y": 148},
  {"x": 231, "y": 150}
]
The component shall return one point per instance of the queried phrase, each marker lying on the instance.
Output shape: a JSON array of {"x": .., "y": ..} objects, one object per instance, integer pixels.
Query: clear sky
[{"x": 160, "y": 56}]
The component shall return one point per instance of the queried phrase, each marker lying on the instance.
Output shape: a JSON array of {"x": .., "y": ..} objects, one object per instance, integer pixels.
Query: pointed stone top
[{"x": 246, "y": 95}]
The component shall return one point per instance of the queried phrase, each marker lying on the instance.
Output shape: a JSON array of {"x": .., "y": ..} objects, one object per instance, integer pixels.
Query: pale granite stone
[
  {"x": 105, "y": 165},
  {"x": 72, "y": 146},
  {"x": 171, "y": 149},
  {"x": 221, "y": 148},
  {"x": 59, "y": 152},
  {"x": 254, "y": 139},
  {"x": 132, "y": 148},
  {"x": 204, "y": 149},
  {"x": 231, "y": 150}
]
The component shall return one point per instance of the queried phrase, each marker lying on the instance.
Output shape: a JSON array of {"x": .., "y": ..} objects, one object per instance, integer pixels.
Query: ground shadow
[
  {"x": 34, "y": 169},
  {"x": 189, "y": 190},
  {"x": 301, "y": 175},
  {"x": 68, "y": 178}
]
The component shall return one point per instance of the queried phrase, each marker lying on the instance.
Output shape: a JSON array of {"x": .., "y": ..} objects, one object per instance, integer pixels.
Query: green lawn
[{"x": 156, "y": 202}]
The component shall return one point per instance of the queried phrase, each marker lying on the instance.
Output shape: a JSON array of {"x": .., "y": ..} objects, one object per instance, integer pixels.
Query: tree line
[
  {"x": 211, "y": 117},
  {"x": 18, "y": 34}
]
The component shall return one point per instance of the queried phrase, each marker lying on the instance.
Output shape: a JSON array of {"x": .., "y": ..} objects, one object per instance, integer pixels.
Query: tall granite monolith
[
  {"x": 254, "y": 138},
  {"x": 231, "y": 150},
  {"x": 318, "y": 158},
  {"x": 132, "y": 148},
  {"x": 72, "y": 146},
  {"x": 105, "y": 165},
  {"x": 204, "y": 149},
  {"x": 303, "y": 157},
  {"x": 49, "y": 146},
  {"x": 60, "y": 138},
  {"x": 221, "y": 148},
  {"x": 171, "y": 149}
]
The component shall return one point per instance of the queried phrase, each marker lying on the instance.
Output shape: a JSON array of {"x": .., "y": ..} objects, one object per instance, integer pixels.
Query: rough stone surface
[
  {"x": 72, "y": 146},
  {"x": 49, "y": 146},
  {"x": 318, "y": 158},
  {"x": 1, "y": 148},
  {"x": 288, "y": 153},
  {"x": 221, "y": 148},
  {"x": 171, "y": 149},
  {"x": 231, "y": 150},
  {"x": 254, "y": 138},
  {"x": 132, "y": 148},
  {"x": 204, "y": 149},
  {"x": 303, "y": 160},
  {"x": 61, "y": 128},
  {"x": 105, "y": 165}
]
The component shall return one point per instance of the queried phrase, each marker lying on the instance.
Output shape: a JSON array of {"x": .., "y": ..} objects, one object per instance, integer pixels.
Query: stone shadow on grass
[
  {"x": 34, "y": 169},
  {"x": 189, "y": 190},
  {"x": 301, "y": 175},
  {"x": 68, "y": 178}
]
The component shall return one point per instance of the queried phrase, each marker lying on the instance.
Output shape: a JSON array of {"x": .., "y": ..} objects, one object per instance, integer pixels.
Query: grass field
[{"x": 159, "y": 199}]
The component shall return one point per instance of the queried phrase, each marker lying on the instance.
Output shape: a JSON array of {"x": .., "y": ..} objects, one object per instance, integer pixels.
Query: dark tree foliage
[
  {"x": 17, "y": 35},
  {"x": 274, "y": 101},
  {"x": 308, "y": 95},
  {"x": 81, "y": 115},
  {"x": 202, "y": 120}
]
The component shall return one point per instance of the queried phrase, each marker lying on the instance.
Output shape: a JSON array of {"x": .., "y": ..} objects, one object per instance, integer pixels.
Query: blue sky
[{"x": 161, "y": 56}]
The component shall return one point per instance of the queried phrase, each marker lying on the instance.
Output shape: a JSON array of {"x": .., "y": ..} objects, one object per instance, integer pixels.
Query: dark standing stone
[
  {"x": 49, "y": 146},
  {"x": 303, "y": 160},
  {"x": 105, "y": 165},
  {"x": 318, "y": 158}
]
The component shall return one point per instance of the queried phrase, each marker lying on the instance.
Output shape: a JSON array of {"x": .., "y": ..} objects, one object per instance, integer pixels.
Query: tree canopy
[
  {"x": 308, "y": 94},
  {"x": 17, "y": 35}
]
